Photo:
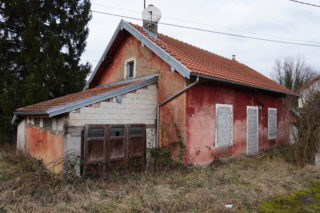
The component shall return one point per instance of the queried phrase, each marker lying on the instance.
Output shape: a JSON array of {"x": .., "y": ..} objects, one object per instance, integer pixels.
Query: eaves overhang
[
  {"x": 54, "y": 111},
  {"x": 241, "y": 84},
  {"x": 170, "y": 60}
]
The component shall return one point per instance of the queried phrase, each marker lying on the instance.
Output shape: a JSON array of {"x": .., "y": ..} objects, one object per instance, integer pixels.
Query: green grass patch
[{"x": 307, "y": 200}]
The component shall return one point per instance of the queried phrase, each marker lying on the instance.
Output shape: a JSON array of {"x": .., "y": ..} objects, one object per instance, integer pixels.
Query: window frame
[
  {"x": 230, "y": 106},
  {"x": 126, "y": 70},
  {"x": 270, "y": 137},
  {"x": 44, "y": 123},
  {"x": 34, "y": 121}
]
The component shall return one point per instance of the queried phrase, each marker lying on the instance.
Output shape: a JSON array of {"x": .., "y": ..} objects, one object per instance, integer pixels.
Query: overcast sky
[{"x": 273, "y": 19}]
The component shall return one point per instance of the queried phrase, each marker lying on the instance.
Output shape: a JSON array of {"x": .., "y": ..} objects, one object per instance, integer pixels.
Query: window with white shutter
[
  {"x": 224, "y": 125},
  {"x": 272, "y": 123}
]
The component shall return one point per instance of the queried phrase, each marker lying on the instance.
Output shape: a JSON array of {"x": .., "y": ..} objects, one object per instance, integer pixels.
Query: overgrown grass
[
  {"x": 26, "y": 186},
  {"x": 307, "y": 200}
]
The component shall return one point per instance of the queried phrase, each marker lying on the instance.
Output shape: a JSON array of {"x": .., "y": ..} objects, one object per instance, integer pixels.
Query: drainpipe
[{"x": 166, "y": 101}]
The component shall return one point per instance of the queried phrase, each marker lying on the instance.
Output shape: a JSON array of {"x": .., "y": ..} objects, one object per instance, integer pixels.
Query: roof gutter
[
  {"x": 241, "y": 84},
  {"x": 168, "y": 100}
]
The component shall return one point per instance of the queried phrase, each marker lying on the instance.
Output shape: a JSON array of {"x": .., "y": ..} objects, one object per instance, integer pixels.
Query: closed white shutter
[
  {"x": 224, "y": 125},
  {"x": 272, "y": 123},
  {"x": 252, "y": 130}
]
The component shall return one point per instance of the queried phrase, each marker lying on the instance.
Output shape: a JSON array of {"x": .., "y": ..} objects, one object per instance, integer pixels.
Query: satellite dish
[{"x": 151, "y": 14}]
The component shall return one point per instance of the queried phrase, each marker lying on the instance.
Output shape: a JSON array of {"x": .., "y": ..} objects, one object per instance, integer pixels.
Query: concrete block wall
[{"x": 138, "y": 107}]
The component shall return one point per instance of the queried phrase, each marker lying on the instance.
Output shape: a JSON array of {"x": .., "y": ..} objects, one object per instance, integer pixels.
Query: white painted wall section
[{"x": 21, "y": 136}]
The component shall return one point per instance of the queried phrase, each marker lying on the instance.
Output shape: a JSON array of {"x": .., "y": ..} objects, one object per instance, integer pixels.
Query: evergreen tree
[{"x": 41, "y": 42}]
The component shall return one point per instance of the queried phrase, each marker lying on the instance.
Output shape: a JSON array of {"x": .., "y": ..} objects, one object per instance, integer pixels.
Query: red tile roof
[
  {"x": 202, "y": 62},
  {"x": 44, "y": 106}
]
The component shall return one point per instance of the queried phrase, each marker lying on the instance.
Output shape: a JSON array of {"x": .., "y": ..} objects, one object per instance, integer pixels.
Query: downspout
[{"x": 166, "y": 101}]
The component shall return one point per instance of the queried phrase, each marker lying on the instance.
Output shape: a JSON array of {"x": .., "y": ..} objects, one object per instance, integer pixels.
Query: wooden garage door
[
  {"x": 114, "y": 147},
  {"x": 95, "y": 150}
]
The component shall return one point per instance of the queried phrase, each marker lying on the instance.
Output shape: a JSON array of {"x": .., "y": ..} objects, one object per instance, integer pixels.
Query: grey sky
[{"x": 274, "y": 19}]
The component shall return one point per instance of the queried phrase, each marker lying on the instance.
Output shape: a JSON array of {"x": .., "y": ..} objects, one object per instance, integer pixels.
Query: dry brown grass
[{"x": 243, "y": 182}]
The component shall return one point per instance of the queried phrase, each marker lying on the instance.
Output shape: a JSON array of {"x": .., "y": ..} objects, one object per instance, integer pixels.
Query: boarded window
[
  {"x": 36, "y": 121},
  {"x": 130, "y": 69},
  {"x": 252, "y": 130},
  {"x": 272, "y": 123},
  {"x": 224, "y": 125},
  {"x": 47, "y": 123}
]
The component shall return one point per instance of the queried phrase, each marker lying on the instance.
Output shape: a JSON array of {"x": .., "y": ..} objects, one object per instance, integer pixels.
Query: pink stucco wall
[{"x": 200, "y": 120}]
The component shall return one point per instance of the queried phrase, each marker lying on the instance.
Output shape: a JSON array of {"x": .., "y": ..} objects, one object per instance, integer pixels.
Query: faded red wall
[
  {"x": 172, "y": 114},
  {"x": 45, "y": 145},
  {"x": 200, "y": 120},
  {"x": 147, "y": 62}
]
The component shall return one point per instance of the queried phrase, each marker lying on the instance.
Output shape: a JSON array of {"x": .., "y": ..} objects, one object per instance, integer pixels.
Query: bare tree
[
  {"x": 293, "y": 72},
  {"x": 308, "y": 138}
]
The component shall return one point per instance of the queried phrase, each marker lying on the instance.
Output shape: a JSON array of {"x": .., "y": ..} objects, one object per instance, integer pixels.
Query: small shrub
[{"x": 169, "y": 156}]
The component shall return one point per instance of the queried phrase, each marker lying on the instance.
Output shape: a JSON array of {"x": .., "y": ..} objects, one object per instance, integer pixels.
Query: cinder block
[
  {"x": 108, "y": 105},
  {"x": 147, "y": 101},
  {"x": 152, "y": 87},
  {"x": 131, "y": 95},
  {"x": 142, "y": 91},
  {"x": 128, "y": 101},
  {"x": 75, "y": 122}
]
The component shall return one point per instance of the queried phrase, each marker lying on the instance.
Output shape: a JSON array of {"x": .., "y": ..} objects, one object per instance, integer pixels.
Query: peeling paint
[
  {"x": 45, "y": 145},
  {"x": 200, "y": 120}
]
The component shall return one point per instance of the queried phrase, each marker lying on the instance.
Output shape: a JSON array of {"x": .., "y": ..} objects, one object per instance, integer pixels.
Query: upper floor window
[{"x": 130, "y": 69}]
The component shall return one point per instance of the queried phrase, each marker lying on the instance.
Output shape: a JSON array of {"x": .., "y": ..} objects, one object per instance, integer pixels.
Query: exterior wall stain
[
  {"x": 172, "y": 114},
  {"x": 147, "y": 63},
  {"x": 45, "y": 145},
  {"x": 200, "y": 120}
]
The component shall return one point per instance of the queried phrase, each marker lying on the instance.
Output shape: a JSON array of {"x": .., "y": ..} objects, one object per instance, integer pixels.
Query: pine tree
[{"x": 41, "y": 42}]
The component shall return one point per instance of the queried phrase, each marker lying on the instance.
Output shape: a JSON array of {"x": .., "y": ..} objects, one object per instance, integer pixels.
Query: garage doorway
[{"x": 109, "y": 148}]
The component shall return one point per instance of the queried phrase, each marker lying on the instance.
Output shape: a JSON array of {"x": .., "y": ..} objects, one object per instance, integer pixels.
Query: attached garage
[{"x": 109, "y": 126}]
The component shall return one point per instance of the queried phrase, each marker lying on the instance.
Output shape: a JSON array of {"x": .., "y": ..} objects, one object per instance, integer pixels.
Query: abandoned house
[{"x": 148, "y": 90}]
